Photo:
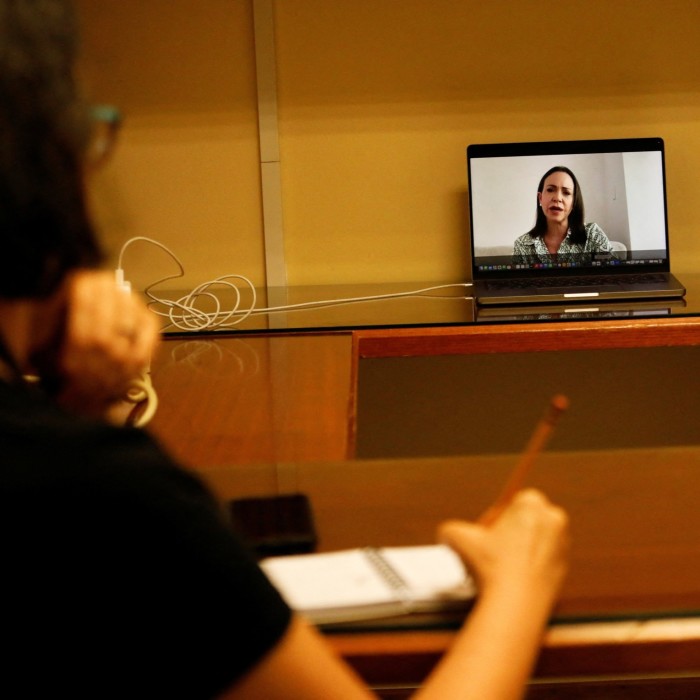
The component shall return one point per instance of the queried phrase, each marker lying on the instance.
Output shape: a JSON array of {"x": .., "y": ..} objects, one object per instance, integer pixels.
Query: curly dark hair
[{"x": 45, "y": 230}]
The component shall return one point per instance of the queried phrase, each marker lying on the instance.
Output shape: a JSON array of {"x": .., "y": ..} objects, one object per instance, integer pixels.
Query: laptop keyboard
[{"x": 596, "y": 281}]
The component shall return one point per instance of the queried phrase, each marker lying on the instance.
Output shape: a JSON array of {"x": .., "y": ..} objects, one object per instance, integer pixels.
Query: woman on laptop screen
[{"x": 560, "y": 233}]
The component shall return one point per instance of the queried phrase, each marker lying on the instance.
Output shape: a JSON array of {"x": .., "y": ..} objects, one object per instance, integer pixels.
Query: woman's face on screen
[{"x": 557, "y": 197}]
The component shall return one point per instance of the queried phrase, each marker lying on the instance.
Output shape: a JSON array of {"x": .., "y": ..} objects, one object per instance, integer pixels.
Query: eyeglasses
[{"x": 106, "y": 122}]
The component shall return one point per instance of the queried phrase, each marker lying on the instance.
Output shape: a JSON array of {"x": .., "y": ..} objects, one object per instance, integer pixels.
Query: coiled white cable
[{"x": 185, "y": 314}]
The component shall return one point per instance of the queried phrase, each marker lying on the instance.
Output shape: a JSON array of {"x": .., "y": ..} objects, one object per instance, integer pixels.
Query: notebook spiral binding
[{"x": 388, "y": 573}]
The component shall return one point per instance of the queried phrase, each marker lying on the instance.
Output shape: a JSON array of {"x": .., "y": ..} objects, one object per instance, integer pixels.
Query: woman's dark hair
[
  {"x": 576, "y": 217},
  {"x": 45, "y": 230}
]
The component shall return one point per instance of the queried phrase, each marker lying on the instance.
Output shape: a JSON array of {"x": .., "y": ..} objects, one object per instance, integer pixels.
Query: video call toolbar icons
[{"x": 608, "y": 262}]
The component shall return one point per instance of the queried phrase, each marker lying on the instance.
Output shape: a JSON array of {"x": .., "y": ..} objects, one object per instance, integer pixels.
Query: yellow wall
[
  {"x": 186, "y": 169},
  {"x": 378, "y": 100}
]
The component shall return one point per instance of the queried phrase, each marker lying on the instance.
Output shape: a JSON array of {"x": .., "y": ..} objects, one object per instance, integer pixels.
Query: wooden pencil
[{"x": 537, "y": 442}]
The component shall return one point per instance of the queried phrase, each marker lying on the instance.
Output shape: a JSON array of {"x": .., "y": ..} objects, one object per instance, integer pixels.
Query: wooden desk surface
[
  {"x": 635, "y": 520},
  {"x": 241, "y": 400},
  {"x": 636, "y": 548},
  {"x": 250, "y": 399}
]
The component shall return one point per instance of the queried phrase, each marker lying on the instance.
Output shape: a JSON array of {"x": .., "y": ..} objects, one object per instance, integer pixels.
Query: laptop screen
[{"x": 617, "y": 218}]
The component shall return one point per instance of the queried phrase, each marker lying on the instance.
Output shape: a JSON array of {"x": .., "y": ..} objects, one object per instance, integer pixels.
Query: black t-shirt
[{"x": 119, "y": 575}]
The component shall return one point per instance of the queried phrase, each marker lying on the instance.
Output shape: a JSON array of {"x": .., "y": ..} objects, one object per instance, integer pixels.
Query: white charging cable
[
  {"x": 185, "y": 314},
  {"x": 140, "y": 391},
  {"x": 143, "y": 395}
]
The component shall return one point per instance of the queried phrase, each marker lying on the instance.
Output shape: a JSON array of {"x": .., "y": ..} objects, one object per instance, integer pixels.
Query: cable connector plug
[{"x": 121, "y": 282}]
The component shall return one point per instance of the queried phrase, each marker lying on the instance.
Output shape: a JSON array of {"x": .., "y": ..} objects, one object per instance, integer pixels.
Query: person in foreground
[
  {"x": 560, "y": 232},
  {"x": 121, "y": 575}
]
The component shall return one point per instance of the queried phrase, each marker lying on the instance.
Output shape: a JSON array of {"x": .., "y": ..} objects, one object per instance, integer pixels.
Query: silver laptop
[{"x": 569, "y": 221}]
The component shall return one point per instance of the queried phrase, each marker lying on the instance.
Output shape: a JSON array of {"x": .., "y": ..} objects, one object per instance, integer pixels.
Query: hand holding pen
[{"x": 522, "y": 539}]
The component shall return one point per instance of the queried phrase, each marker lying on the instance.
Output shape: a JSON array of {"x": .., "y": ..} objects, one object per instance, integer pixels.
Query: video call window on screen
[{"x": 623, "y": 196}]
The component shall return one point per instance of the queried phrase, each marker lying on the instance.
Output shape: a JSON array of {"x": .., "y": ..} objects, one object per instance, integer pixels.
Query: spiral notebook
[
  {"x": 622, "y": 196},
  {"x": 369, "y": 583}
]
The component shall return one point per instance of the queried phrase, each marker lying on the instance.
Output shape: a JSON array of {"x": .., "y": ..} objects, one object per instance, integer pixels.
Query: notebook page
[
  {"x": 329, "y": 580},
  {"x": 431, "y": 572}
]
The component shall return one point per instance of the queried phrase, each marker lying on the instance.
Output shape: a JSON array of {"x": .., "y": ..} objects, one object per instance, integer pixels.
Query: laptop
[{"x": 614, "y": 224}]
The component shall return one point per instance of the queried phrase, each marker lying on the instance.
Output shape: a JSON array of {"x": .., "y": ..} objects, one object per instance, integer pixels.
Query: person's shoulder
[
  {"x": 525, "y": 240},
  {"x": 95, "y": 503},
  {"x": 592, "y": 229},
  {"x": 89, "y": 479},
  {"x": 48, "y": 447}
]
